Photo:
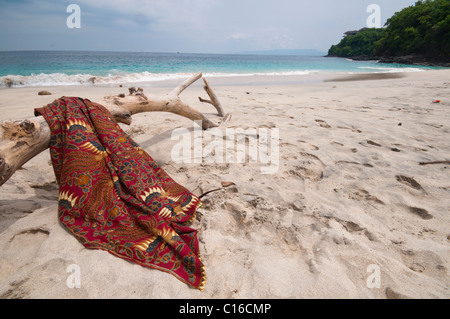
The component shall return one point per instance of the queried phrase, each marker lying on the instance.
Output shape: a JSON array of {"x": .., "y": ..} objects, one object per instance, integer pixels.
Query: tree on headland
[
  {"x": 422, "y": 30},
  {"x": 357, "y": 43}
]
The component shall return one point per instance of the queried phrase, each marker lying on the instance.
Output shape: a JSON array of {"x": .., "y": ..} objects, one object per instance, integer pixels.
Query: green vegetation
[
  {"x": 360, "y": 44},
  {"x": 422, "y": 30}
]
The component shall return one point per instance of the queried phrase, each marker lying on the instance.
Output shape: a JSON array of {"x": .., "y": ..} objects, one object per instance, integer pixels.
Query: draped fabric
[{"x": 114, "y": 197}]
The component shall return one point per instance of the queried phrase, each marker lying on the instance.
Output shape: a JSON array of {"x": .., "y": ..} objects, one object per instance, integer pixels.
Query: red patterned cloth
[{"x": 114, "y": 197}]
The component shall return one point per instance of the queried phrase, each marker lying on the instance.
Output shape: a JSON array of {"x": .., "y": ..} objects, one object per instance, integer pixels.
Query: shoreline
[
  {"x": 62, "y": 79},
  {"x": 242, "y": 79},
  {"x": 412, "y": 60}
]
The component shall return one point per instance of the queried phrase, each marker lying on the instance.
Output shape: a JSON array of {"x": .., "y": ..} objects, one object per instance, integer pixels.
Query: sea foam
[{"x": 60, "y": 79}]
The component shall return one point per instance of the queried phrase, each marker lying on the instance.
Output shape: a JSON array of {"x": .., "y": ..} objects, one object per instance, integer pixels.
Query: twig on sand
[{"x": 434, "y": 163}]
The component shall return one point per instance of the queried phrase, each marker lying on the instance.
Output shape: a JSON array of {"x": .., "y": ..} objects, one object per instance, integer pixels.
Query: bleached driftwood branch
[
  {"x": 214, "y": 100},
  {"x": 122, "y": 108},
  {"x": 21, "y": 140}
]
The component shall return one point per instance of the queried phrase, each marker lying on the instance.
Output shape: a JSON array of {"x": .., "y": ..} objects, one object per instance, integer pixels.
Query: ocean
[{"x": 49, "y": 68}]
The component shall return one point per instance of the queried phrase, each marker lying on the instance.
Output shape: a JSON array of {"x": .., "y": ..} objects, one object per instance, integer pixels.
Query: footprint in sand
[
  {"x": 323, "y": 124},
  {"x": 12, "y": 210},
  {"x": 336, "y": 143},
  {"x": 412, "y": 148},
  {"x": 392, "y": 294},
  {"x": 353, "y": 227},
  {"x": 311, "y": 146},
  {"x": 236, "y": 215},
  {"x": 353, "y": 129},
  {"x": 422, "y": 261},
  {"x": 309, "y": 167},
  {"x": 304, "y": 165},
  {"x": 23, "y": 246},
  {"x": 370, "y": 142},
  {"x": 421, "y": 212},
  {"x": 409, "y": 181},
  {"x": 363, "y": 195}
]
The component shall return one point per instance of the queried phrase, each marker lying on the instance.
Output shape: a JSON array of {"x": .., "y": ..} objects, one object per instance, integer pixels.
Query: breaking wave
[
  {"x": 374, "y": 69},
  {"x": 59, "y": 79}
]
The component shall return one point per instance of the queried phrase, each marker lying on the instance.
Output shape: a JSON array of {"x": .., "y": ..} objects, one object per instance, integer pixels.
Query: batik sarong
[{"x": 114, "y": 197}]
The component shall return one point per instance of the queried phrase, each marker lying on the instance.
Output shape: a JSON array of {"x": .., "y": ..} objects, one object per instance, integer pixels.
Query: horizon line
[{"x": 249, "y": 52}]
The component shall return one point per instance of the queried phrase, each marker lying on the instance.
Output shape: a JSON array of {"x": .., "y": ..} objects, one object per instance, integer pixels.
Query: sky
[{"x": 189, "y": 26}]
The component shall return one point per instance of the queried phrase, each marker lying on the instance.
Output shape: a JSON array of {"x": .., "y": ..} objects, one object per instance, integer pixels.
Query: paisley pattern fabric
[{"x": 114, "y": 197}]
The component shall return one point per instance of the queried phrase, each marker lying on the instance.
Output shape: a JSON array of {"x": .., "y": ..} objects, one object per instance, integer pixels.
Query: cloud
[
  {"x": 209, "y": 26},
  {"x": 238, "y": 36},
  {"x": 164, "y": 15}
]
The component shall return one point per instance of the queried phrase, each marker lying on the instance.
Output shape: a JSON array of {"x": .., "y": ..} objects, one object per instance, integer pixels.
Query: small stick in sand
[{"x": 434, "y": 163}]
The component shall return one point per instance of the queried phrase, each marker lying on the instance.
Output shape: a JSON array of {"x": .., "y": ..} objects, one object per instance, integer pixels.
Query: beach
[{"x": 356, "y": 208}]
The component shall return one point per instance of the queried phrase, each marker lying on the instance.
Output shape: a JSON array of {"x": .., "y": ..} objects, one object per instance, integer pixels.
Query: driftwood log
[{"x": 21, "y": 140}]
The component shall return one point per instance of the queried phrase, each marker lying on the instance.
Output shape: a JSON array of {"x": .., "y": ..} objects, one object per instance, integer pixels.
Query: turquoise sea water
[{"x": 42, "y": 68}]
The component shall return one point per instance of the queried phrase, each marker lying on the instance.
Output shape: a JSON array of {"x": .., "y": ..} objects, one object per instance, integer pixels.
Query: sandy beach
[{"x": 349, "y": 213}]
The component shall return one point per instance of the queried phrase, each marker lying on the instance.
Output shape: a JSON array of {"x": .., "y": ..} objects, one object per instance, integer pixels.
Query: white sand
[{"x": 349, "y": 193}]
